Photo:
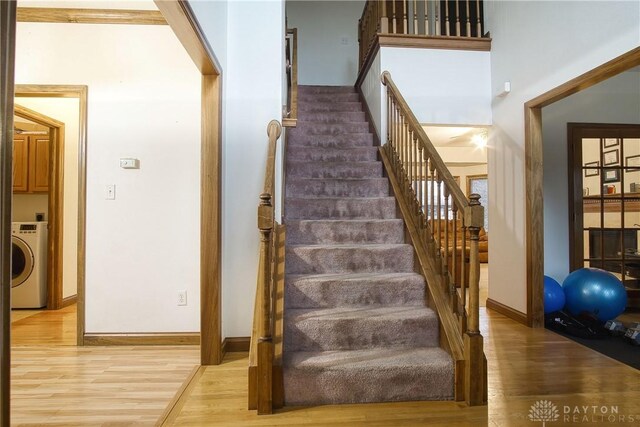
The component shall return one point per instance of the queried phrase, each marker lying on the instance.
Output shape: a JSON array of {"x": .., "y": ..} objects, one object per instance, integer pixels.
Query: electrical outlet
[
  {"x": 110, "y": 192},
  {"x": 182, "y": 297}
]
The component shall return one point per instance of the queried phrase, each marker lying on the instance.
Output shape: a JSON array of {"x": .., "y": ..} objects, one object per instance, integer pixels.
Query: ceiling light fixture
[{"x": 480, "y": 139}]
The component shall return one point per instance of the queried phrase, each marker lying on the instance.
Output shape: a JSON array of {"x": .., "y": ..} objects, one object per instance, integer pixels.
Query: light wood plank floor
[
  {"x": 525, "y": 365},
  {"x": 55, "y": 383}
]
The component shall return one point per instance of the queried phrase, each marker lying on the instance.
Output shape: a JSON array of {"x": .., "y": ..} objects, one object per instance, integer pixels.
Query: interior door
[{"x": 605, "y": 201}]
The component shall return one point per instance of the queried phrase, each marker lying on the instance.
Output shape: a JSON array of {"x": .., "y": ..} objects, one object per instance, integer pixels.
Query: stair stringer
[{"x": 437, "y": 300}]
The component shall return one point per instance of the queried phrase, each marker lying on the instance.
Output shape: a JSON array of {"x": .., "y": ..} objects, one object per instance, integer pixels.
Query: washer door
[{"x": 21, "y": 261}]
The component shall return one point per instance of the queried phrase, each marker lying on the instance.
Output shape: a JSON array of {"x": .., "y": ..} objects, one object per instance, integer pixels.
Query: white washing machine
[{"x": 29, "y": 264}]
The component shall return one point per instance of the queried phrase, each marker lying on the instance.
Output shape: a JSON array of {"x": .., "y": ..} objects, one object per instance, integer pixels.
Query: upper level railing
[
  {"x": 444, "y": 227},
  {"x": 426, "y": 18},
  {"x": 261, "y": 353},
  {"x": 290, "y": 116}
]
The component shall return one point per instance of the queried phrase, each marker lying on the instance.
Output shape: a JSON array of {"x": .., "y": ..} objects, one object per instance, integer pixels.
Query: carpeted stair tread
[
  {"x": 354, "y": 289},
  {"x": 354, "y": 328},
  {"x": 320, "y": 128},
  {"x": 325, "y": 89},
  {"x": 351, "y": 154},
  {"x": 331, "y": 117},
  {"x": 328, "y": 97},
  {"x": 338, "y": 187},
  {"x": 364, "y": 139},
  {"x": 322, "y": 232},
  {"x": 340, "y": 207},
  {"x": 327, "y": 106},
  {"x": 301, "y": 169},
  {"x": 313, "y": 259},
  {"x": 370, "y": 375}
]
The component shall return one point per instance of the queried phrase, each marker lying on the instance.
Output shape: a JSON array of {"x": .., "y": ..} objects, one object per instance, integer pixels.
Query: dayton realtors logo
[{"x": 546, "y": 411}]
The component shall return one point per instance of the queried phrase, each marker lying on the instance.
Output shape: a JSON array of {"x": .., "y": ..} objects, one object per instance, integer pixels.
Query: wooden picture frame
[
  {"x": 591, "y": 169},
  {"x": 610, "y": 142},
  {"x": 611, "y": 157},
  {"x": 611, "y": 175},
  {"x": 632, "y": 162}
]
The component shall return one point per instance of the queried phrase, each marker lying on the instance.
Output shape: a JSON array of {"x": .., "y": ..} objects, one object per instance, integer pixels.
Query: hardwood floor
[
  {"x": 53, "y": 382},
  {"x": 525, "y": 366}
]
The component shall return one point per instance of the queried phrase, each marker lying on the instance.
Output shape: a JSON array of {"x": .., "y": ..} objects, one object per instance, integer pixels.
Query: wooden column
[{"x": 7, "y": 65}]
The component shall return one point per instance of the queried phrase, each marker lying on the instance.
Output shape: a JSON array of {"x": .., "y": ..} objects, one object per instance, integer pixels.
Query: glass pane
[
  {"x": 631, "y": 150},
  {"x": 590, "y": 151},
  {"x": 481, "y": 186}
]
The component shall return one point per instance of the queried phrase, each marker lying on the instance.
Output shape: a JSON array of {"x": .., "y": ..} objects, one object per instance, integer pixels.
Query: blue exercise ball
[
  {"x": 595, "y": 291},
  {"x": 553, "y": 295}
]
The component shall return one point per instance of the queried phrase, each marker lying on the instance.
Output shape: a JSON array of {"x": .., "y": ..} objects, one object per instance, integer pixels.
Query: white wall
[
  {"x": 327, "y": 40},
  {"x": 616, "y": 100},
  {"x": 144, "y": 102},
  {"x": 537, "y": 45},
  {"x": 440, "y": 86},
  {"x": 67, "y": 111}
]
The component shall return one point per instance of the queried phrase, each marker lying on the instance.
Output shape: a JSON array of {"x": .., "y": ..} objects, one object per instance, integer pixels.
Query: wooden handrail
[
  {"x": 262, "y": 348},
  {"x": 412, "y": 17},
  {"x": 291, "y": 50},
  {"x": 445, "y": 228}
]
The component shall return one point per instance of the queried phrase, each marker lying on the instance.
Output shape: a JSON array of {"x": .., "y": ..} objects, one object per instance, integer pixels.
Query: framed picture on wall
[
  {"x": 611, "y": 175},
  {"x": 591, "y": 172},
  {"x": 611, "y": 142},
  {"x": 633, "y": 162},
  {"x": 611, "y": 157}
]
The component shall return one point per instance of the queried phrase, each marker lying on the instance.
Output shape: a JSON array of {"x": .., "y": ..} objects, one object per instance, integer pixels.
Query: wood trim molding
[
  {"x": 7, "y": 70},
  {"x": 90, "y": 16},
  {"x": 56, "y": 199},
  {"x": 160, "y": 338},
  {"x": 533, "y": 144},
  {"x": 174, "y": 407},
  {"x": 66, "y": 302},
  {"x": 182, "y": 21},
  {"x": 234, "y": 344},
  {"x": 511, "y": 313}
]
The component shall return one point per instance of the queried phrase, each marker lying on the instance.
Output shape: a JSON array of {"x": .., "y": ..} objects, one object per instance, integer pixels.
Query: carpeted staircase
[{"x": 356, "y": 327}]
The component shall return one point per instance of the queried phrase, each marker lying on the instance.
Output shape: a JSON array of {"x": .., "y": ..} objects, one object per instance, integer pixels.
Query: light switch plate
[{"x": 110, "y": 192}]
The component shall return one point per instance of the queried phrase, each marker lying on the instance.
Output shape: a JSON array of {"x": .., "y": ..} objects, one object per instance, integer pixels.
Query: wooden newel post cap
[
  {"x": 474, "y": 199},
  {"x": 265, "y": 199}
]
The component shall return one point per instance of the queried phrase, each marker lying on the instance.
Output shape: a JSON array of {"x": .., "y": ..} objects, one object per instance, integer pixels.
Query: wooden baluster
[
  {"x": 384, "y": 20},
  {"x": 415, "y": 16},
  {"x": 447, "y": 243},
  {"x": 432, "y": 168},
  {"x": 421, "y": 188},
  {"x": 404, "y": 147},
  {"x": 416, "y": 164},
  {"x": 446, "y": 18},
  {"x": 463, "y": 274},
  {"x": 405, "y": 23},
  {"x": 473, "y": 342},
  {"x": 394, "y": 16},
  {"x": 437, "y": 12},
  {"x": 426, "y": 17},
  {"x": 457, "y": 17},
  {"x": 439, "y": 219},
  {"x": 468, "y": 34},
  {"x": 410, "y": 157},
  {"x": 454, "y": 258},
  {"x": 479, "y": 24}
]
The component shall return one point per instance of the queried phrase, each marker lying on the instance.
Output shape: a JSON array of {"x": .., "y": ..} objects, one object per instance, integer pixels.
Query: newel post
[
  {"x": 475, "y": 375},
  {"x": 265, "y": 344}
]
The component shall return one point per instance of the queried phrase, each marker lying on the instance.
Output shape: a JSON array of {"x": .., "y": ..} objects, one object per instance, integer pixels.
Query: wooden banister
[
  {"x": 290, "y": 118},
  {"x": 440, "y": 225},
  {"x": 261, "y": 357},
  {"x": 430, "y": 21}
]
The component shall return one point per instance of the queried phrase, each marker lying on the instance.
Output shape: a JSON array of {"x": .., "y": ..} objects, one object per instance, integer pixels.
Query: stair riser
[
  {"x": 313, "y": 154},
  {"x": 336, "y": 232},
  {"x": 318, "y": 334},
  {"x": 325, "y": 89},
  {"x": 318, "y": 260},
  {"x": 362, "y": 386},
  {"x": 310, "y": 293},
  {"x": 313, "y": 128},
  {"x": 338, "y": 188},
  {"x": 331, "y": 141},
  {"x": 328, "y": 97},
  {"x": 384, "y": 208},
  {"x": 329, "y": 106},
  {"x": 340, "y": 117},
  {"x": 297, "y": 170}
]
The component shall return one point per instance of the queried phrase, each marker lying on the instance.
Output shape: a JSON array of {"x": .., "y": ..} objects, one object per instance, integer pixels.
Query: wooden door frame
[
  {"x": 533, "y": 145},
  {"x": 182, "y": 21},
  {"x": 56, "y": 204}
]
